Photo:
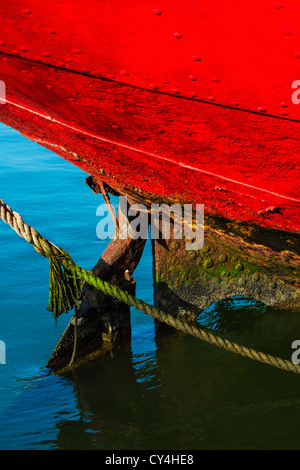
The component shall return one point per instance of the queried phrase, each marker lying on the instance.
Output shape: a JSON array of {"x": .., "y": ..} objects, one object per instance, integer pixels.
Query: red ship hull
[{"x": 185, "y": 102}]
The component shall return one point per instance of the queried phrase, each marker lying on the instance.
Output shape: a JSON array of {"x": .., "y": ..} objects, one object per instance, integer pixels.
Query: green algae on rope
[{"x": 65, "y": 291}]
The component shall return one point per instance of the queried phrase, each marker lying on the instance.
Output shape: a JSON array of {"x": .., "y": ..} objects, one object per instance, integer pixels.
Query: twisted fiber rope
[
  {"x": 40, "y": 244},
  {"x": 48, "y": 249}
]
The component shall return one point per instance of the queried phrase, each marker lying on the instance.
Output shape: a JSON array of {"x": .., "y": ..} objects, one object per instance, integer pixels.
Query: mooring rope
[
  {"x": 65, "y": 293},
  {"x": 65, "y": 289}
]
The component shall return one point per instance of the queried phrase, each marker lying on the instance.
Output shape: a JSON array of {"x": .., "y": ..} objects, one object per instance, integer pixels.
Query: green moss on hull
[{"x": 267, "y": 269}]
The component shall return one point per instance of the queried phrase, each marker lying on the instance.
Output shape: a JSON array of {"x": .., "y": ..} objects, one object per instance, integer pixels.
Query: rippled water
[{"x": 165, "y": 390}]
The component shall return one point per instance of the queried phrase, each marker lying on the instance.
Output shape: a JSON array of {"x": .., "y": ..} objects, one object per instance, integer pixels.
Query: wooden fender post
[{"x": 102, "y": 322}]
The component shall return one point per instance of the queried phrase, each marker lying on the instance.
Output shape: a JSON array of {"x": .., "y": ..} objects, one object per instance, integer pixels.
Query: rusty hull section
[{"x": 236, "y": 260}]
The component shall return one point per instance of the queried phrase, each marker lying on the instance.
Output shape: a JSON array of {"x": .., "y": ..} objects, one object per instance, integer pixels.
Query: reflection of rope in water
[{"x": 65, "y": 293}]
